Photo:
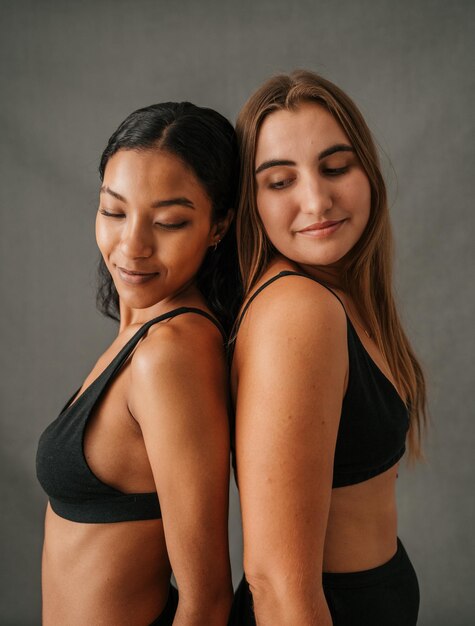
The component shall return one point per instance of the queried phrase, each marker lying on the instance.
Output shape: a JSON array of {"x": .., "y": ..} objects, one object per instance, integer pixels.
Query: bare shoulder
[
  {"x": 293, "y": 303},
  {"x": 180, "y": 345}
]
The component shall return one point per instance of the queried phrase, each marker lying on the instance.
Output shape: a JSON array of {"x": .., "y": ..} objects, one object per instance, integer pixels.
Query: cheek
[
  {"x": 365, "y": 204},
  {"x": 275, "y": 216},
  {"x": 192, "y": 240},
  {"x": 354, "y": 198},
  {"x": 104, "y": 237},
  {"x": 186, "y": 252},
  {"x": 361, "y": 196}
]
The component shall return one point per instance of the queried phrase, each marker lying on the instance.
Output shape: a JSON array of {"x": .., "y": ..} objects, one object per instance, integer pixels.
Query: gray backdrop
[{"x": 71, "y": 71}]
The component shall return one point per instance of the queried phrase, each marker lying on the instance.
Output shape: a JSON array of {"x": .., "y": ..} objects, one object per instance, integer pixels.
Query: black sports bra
[
  {"x": 74, "y": 491},
  {"x": 374, "y": 419}
]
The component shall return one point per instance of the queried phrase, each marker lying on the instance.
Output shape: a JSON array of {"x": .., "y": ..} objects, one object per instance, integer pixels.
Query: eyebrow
[
  {"x": 339, "y": 147},
  {"x": 158, "y": 204},
  {"x": 182, "y": 201},
  {"x": 106, "y": 189},
  {"x": 273, "y": 163}
]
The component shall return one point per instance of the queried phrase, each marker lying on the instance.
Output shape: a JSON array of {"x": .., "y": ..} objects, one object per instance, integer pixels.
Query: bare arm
[
  {"x": 179, "y": 399},
  {"x": 291, "y": 365}
]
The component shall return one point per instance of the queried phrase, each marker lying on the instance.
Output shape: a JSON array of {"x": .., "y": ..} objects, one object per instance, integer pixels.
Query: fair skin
[
  {"x": 313, "y": 198},
  {"x": 161, "y": 426}
]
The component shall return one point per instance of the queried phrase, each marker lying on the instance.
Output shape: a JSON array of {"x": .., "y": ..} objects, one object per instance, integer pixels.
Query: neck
[
  {"x": 328, "y": 274},
  {"x": 188, "y": 295}
]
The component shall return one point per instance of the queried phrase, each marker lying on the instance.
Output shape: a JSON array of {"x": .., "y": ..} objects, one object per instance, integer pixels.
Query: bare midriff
[
  {"x": 113, "y": 574},
  {"x": 362, "y": 525}
]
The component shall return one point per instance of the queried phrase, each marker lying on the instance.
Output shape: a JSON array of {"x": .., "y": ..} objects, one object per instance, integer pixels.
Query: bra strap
[{"x": 123, "y": 354}]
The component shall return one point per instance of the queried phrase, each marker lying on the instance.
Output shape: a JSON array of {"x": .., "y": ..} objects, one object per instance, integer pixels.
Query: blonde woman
[{"x": 326, "y": 386}]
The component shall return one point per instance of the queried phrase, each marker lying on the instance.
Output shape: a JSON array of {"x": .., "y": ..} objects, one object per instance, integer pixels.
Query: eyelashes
[
  {"x": 164, "y": 225},
  {"x": 336, "y": 171},
  {"x": 176, "y": 226},
  {"x": 281, "y": 184},
  {"x": 109, "y": 214},
  {"x": 328, "y": 171}
]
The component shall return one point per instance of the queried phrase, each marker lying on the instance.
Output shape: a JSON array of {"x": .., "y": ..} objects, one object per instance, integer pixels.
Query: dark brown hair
[{"x": 206, "y": 142}]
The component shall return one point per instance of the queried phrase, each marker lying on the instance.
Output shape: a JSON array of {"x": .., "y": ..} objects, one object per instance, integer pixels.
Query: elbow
[
  {"x": 271, "y": 592},
  {"x": 285, "y": 597},
  {"x": 211, "y": 605},
  {"x": 274, "y": 578},
  {"x": 265, "y": 583}
]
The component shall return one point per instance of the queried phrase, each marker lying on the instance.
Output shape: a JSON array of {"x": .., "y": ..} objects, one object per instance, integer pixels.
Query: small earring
[{"x": 215, "y": 246}]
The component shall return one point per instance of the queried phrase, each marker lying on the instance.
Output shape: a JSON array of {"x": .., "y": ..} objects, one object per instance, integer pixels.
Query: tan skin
[
  {"x": 295, "y": 525},
  {"x": 161, "y": 426}
]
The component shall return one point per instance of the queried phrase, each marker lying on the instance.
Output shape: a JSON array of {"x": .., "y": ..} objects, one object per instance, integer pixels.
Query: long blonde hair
[{"x": 367, "y": 268}]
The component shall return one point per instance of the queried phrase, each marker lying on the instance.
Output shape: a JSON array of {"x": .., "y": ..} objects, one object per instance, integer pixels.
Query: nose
[
  {"x": 316, "y": 195},
  {"x": 137, "y": 239}
]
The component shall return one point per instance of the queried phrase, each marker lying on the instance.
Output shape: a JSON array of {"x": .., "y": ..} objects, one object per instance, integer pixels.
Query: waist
[
  {"x": 98, "y": 567},
  {"x": 362, "y": 525}
]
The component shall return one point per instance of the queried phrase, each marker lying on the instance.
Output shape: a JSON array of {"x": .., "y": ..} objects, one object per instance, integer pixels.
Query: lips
[
  {"x": 135, "y": 277},
  {"x": 322, "y": 229}
]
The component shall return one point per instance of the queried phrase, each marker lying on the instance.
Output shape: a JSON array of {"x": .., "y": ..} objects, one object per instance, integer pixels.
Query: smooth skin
[
  {"x": 289, "y": 377},
  {"x": 161, "y": 425}
]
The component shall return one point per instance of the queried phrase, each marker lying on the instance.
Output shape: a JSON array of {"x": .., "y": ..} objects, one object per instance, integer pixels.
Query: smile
[
  {"x": 320, "y": 230},
  {"x": 133, "y": 277}
]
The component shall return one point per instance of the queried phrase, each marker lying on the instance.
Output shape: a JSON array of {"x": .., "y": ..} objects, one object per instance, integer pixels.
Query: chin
[
  {"x": 322, "y": 258},
  {"x": 316, "y": 260}
]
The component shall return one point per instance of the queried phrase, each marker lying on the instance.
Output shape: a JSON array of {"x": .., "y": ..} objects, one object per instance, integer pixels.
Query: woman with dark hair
[
  {"x": 136, "y": 465},
  {"x": 326, "y": 385}
]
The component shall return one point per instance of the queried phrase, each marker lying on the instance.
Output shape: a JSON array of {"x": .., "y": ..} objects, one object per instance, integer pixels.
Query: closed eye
[
  {"x": 335, "y": 171},
  {"x": 281, "y": 184},
  {"x": 174, "y": 226},
  {"x": 109, "y": 214}
]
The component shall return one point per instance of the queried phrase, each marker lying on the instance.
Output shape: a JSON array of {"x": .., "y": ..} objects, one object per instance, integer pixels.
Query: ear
[{"x": 219, "y": 229}]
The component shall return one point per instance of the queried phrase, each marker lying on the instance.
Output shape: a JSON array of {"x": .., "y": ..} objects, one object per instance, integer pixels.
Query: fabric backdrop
[{"x": 71, "y": 71}]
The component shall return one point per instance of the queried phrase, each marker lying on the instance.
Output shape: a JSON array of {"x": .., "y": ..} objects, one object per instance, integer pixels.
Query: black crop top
[
  {"x": 374, "y": 419},
  {"x": 74, "y": 491}
]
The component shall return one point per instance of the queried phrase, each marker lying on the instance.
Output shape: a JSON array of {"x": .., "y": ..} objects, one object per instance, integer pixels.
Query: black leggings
[
  {"x": 387, "y": 595},
  {"x": 167, "y": 615}
]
